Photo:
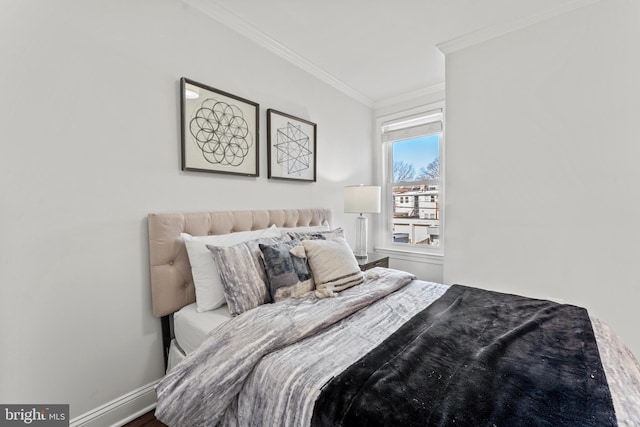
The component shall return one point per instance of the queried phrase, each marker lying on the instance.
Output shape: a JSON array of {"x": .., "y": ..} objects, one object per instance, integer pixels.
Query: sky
[{"x": 417, "y": 151}]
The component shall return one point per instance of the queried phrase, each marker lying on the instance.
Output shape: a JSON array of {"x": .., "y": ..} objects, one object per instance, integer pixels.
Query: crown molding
[
  {"x": 494, "y": 31},
  {"x": 229, "y": 19},
  {"x": 409, "y": 96}
]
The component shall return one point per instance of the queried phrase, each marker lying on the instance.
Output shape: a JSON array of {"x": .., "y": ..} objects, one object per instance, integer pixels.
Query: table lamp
[{"x": 361, "y": 199}]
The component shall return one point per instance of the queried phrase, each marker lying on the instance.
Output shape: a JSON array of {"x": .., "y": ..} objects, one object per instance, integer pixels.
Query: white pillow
[
  {"x": 333, "y": 265},
  {"x": 206, "y": 278},
  {"x": 308, "y": 229}
]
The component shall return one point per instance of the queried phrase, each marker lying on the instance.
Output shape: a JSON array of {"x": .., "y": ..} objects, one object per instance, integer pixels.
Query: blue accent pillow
[{"x": 287, "y": 270}]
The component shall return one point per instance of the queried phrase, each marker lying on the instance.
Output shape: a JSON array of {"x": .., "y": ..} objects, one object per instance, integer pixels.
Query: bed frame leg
[{"x": 167, "y": 336}]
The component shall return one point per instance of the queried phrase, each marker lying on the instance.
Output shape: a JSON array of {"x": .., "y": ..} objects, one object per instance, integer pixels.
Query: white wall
[
  {"x": 89, "y": 134},
  {"x": 542, "y": 163}
]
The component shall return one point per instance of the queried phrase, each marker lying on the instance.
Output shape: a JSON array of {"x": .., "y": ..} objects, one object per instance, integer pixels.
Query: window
[{"x": 413, "y": 146}]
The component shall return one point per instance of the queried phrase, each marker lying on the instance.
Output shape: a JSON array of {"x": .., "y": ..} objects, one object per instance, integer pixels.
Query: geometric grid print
[{"x": 292, "y": 149}]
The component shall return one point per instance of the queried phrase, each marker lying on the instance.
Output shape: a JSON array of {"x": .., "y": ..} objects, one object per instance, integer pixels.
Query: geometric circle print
[{"x": 221, "y": 132}]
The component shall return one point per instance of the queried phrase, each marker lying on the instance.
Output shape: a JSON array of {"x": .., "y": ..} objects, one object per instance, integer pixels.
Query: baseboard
[{"x": 120, "y": 410}]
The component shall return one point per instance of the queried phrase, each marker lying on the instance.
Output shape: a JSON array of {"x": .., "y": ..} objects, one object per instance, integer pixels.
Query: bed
[{"x": 315, "y": 341}]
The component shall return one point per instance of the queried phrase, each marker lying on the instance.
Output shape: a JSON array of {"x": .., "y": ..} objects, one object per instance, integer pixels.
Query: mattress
[{"x": 192, "y": 327}]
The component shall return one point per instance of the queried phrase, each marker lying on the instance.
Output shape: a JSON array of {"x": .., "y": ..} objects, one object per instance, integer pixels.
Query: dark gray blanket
[{"x": 477, "y": 358}]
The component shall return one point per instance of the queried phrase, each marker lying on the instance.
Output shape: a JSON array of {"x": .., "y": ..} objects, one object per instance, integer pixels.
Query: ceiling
[{"x": 375, "y": 50}]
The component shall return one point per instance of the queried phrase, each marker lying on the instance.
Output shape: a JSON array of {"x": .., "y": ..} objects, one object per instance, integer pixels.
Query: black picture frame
[
  {"x": 291, "y": 147},
  {"x": 220, "y": 131}
]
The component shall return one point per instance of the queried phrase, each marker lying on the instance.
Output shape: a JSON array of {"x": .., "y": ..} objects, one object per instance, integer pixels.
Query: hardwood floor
[{"x": 146, "y": 420}]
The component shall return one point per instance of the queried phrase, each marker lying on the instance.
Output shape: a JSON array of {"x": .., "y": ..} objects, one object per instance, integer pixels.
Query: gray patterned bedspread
[{"x": 267, "y": 366}]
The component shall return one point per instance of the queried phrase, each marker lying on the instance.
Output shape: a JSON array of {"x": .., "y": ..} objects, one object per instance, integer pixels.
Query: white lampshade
[{"x": 362, "y": 199}]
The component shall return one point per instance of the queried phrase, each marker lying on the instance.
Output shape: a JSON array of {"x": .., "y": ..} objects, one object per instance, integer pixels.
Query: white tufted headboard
[{"x": 171, "y": 281}]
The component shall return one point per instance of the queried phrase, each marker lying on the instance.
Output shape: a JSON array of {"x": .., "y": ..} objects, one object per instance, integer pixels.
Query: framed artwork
[
  {"x": 219, "y": 131},
  {"x": 291, "y": 147}
]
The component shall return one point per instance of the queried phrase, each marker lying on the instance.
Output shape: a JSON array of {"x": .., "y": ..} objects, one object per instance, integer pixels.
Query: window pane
[
  {"x": 416, "y": 191},
  {"x": 416, "y": 159}
]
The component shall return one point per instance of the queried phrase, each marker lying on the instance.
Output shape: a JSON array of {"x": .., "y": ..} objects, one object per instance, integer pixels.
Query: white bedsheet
[{"x": 191, "y": 327}]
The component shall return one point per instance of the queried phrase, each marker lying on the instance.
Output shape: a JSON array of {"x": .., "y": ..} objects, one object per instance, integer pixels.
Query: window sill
[{"x": 412, "y": 255}]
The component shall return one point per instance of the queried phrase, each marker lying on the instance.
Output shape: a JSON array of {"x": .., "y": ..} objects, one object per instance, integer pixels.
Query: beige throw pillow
[{"x": 333, "y": 265}]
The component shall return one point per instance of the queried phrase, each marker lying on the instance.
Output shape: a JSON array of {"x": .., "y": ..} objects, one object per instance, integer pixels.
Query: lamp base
[{"x": 360, "y": 251}]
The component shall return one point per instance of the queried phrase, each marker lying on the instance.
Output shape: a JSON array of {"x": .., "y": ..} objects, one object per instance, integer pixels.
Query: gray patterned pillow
[
  {"x": 288, "y": 273},
  {"x": 317, "y": 235},
  {"x": 242, "y": 273}
]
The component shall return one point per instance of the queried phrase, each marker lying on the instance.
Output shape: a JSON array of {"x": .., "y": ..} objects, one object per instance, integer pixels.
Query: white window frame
[{"x": 384, "y": 241}]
